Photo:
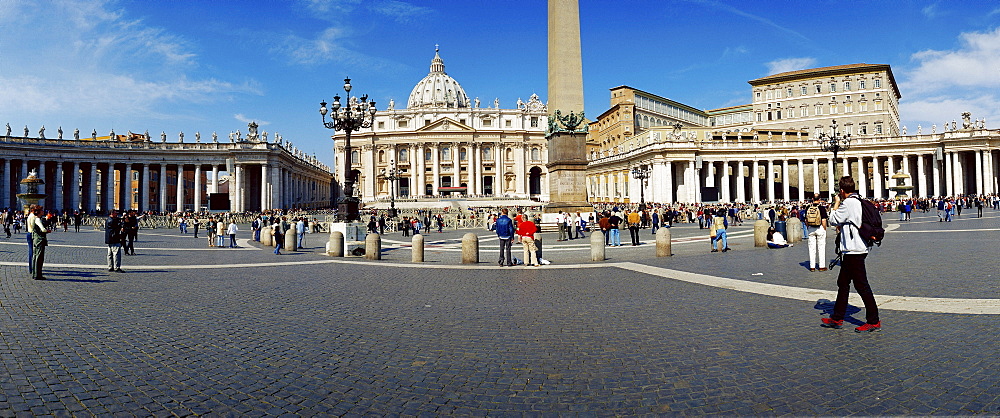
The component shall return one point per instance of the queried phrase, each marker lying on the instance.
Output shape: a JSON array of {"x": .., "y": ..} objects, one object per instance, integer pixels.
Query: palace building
[
  {"x": 769, "y": 149},
  {"x": 445, "y": 145}
]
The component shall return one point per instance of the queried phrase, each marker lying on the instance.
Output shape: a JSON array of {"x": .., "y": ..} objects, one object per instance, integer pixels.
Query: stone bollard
[
  {"x": 335, "y": 247},
  {"x": 417, "y": 246},
  {"x": 470, "y": 249},
  {"x": 291, "y": 240},
  {"x": 597, "y": 246},
  {"x": 794, "y": 230},
  {"x": 373, "y": 247},
  {"x": 265, "y": 237},
  {"x": 663, "y": 247},
  {"x": 760, "y": 233}
]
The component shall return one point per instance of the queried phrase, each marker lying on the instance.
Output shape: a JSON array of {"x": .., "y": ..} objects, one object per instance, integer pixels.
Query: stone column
[
  {"x": 979, "y": 171},
  {"x": 949, "y": 180},
  {"x": 215, "y": 179},
  {"x": 417, "y": 188},
  {"x": 456, "y": 164},
  {"x": 696, "y": 182},
  {"x": 862, "y": 177},
  {"x": 921, "y": 177},
  {"x": 474, "y": 166},
  {"x": 180, "y": 188},
  {"x": 906, "y": 165},
  {"x": 92, "y": 185},
  {"x": 74, "y": 185},
  {"x": 144, "y": 188},
  {"x": 435, "y": 168},
  {"x": 741, "y": 192},
  {"x": 755, "y": 181},
  {"x": 57, "y": 201},
  {"x": 988, "y": 171},
  {"x": 162, "y": 204},
  {"x": 197, "y": 187},
  {"x": 265, "y": 188},
  {"x": 240, "y": 193},
  {"x": 785, "y": 180},
  {"x": 816, "y": 185},
  {"x": 7, "y": 181},
  {"x": 726, "y": 195},
  {"x": 770, "y": 180},
  {"x": 802, "y": 179},
  {"x": 959, "y": 176},
  {"x": 936, "y": 176},
  {"x": 847, "y": 166},
  {"x": 669, "y": 180},
  {"x": 832, "y": 183},
  {"x": 877, "y": 178}
]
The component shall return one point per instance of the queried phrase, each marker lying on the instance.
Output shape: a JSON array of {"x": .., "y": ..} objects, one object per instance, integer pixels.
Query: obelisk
[{"x": 567, "y": 136}]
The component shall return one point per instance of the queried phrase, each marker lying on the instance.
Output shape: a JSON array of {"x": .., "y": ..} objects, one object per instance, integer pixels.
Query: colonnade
[{"x": 729, "y": 178}]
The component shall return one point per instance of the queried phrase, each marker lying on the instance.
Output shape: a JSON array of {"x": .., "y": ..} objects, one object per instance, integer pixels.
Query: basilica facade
[{"x": 444, "y": 144}]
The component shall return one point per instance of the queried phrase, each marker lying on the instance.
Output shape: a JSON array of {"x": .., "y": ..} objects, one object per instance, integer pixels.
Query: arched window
[
  {"x": 428, "y": 155},
  {"x": 381, "y": 156},
  {"x": 510, "y": 154},
  {"x": 535, "y": 154},
  {"x": 404, "y": 155},
  {"x": 354, "y": 157},
  {"x": 487, "y": 153},
  {"x": 463, "y": 154},
  {"x": 446, "y": 153}
]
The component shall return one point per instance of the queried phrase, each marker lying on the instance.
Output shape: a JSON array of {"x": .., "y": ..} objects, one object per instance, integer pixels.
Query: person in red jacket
[{"x": 526, "y": 230}]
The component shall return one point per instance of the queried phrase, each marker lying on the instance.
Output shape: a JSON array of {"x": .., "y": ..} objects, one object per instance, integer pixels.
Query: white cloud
[
  {"x": 87, "y": 58},
  {"x": 789, "y": 64},
  {"x": 946, "y": 83},
  {"x": 930, "y": 11},
  {"x": 401, "y": 11},
  {"x": 240, "y": 117}
]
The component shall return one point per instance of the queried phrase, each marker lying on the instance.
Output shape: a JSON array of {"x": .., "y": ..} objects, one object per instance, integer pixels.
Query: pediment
[{"x": 445, "y": 125}]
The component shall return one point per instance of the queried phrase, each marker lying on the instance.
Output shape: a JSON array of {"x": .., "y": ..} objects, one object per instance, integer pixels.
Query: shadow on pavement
[{"x": 826, "y": 306}]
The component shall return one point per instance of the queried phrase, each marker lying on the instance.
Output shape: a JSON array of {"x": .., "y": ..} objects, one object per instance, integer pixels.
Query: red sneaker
[
  {"x": 869, "y": 327},
  {"x": 831, "y": 323}
]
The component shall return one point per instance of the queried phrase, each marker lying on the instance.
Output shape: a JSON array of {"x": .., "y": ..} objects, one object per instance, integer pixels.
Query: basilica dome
[{"x": 437, "y": 89}]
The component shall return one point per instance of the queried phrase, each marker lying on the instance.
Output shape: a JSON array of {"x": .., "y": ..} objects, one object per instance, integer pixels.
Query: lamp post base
[{"x": 349, "y": 207}]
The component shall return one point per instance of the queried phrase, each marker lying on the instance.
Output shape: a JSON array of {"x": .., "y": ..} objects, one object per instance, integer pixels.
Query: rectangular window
[
  {"x": 507, "y": 123},
  {"x": 758, "y": 96},
  {"x": 534, "y": 121},
  {"x": 487, "y": 122},
  {"x": 878, "y": 129},
  {"x": 789, "y": 92},
  {"x": 878, "y": 105},
  {"x": 847, "y": 86},
  {"x": 804, "y": 91},
  {"x": 462, "y": 121},
  {"x": 770, "y": 95},
  {"x": 779, "y": 115},
  {"x": 863, "y": 130},
  {"x": 381, "y": 125},
  {"x": 878, "y": 83},
  {"x": 427, "y": 122},
  {"x": 833, "y": 88},
  {"x": 805, "y": 111},
  {"x": 819, "y": 89},
  {"x": 861, "y": 84},
  {"x": 402, "y": 124}
]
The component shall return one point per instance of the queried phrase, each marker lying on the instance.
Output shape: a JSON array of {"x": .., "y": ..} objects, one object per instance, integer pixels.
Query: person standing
[
  {"x": 614, "y": 225},
  {"x": 816, "y": 222},
  {"x": 300, "y": 231},
  {"x": 634, "y": 223},
  {"x": 719, "y": 224},
  {"x": 526, "y": 230},
  {"x": 38, "y": 232},
  {"x": 605, "y": 224},
  {"x": 220, "y": 233},
  {"x": 561, "y": 226},
  {"x": 846, "y": 216},
  {"x": 210, "y": 230},
  {"x": 279, "y": 236},
  {"x": 578, "y": 223},
  {"x": 196, "y": 224},
  {"x": 114, "y": 236},
  {"x": 131, "y": 224},
  {"x": 505, "y": 232},
  {"x": 77, "y": 220},
  {"x": 231, "y": 230}
]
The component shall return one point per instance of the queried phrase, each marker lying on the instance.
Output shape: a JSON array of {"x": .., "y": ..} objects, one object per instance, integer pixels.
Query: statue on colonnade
[{"x": 76, "y": 134}]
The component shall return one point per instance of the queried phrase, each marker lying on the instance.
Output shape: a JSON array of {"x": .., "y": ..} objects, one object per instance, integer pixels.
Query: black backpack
[{"x": 871, "y": 228}]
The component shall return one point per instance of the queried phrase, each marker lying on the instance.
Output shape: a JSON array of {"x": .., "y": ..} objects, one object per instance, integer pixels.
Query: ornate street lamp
[
  {"x": 392, "y": 174},
  {"x": 359, "y": 113},
  {"x": 834, "y": 143},
  {"x": 641, "y": 173}
]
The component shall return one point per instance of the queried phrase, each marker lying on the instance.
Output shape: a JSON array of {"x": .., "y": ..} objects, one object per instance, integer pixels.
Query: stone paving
[{"x": 190, "y": 330}]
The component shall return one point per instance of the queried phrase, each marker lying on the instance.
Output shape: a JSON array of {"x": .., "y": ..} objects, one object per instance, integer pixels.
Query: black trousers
[
  {"x": 852, "y": 270},
  {"x": 634, "y": 232}
]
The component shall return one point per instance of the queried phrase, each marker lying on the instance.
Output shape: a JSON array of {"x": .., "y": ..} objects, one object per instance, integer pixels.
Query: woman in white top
[{"x": 231, "y": 230}]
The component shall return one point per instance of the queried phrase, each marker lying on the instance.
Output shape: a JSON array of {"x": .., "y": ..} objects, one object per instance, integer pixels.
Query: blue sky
[{"x": 209, "y": 66}]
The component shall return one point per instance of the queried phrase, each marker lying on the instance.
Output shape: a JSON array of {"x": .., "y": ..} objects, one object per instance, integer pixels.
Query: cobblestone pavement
[{"x": 190, "y": 330}]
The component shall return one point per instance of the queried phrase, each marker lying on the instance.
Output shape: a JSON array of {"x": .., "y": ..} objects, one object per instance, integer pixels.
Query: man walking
[
  {"x": 114, "y": 236},
  {"x": 505, "y": 232},
  {"x": 816, "y": 222},
  {"x": 846, "y": 215}
]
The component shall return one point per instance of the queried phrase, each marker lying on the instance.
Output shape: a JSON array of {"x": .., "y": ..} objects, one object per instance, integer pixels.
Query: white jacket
[{"x": 847, "y": 218}]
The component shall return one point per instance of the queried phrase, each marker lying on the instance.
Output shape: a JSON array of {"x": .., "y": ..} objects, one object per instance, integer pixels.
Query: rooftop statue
[
  {"x": 215, "y": 137},
  {"x": 60, "y": 131},
  {"x": 76, "y": 133}
]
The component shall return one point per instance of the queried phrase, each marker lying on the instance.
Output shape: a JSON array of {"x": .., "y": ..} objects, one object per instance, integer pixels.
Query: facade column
[
  {"x": 74, "y": 186},
  {"x": 832, "y": 178},
  {"x": 180, "y": 188},
  {"x": 906, "y": 165},
  {"x": 755, "y": 181},
  {"x": 802, "y": 179},
  {"x": 162, "y": 204},
  {"x": 57, "y": 201},
  {"x": 197, "y": 187},
  {"x": 726, "y": 196},
  {"x": 770, "y": 181},
  {"x": 130, "y": 197},
  {"x": 436, "y": 168},
  {"x": 741, "y": 192},
  {"x": 418, "y": 188},
  {"x": 921, "y": 177},
  {"x": 92, "y": 185},
  {"x": 816, "y": 189},
  {"x": 988, "y": 171},
  {"x": 144, "y": 188},
  {"x": 265, "y": 188},
  {"x": 5, "y": 184},
  {"x": 847, "y": 166},
  {"x": 877, "y": 178},
  {"x": 215, "y": 179},
  {"x": 240, "y": 193},
  {"x": 785, "y": 181},
  {"x": 697, "y": 182},
  {"x": 862, "y": 177},
  {"x": 949, "y": 180},
  {"x": 669, "y": 180},
  {"x": 474, "y": 168},
  {"x": 959, "y": 175},
  {"x": 979, "y": 172},
  {"x": 936, "y": 176}
]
